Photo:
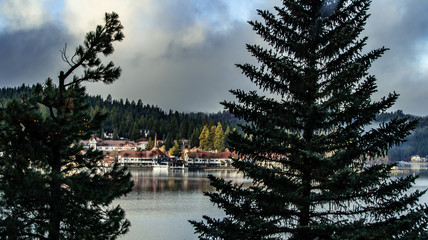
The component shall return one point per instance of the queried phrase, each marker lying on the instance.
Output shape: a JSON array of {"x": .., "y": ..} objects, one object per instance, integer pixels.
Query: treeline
[
  {"x": 7, "y": 93},
  {"x": 213, "y": 137},
  {"x": 416, "y": 143},
  {"x": 136, "y": 120}
]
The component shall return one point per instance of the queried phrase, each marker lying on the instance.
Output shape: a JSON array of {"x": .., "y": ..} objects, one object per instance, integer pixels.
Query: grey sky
[{"x": 180, "y": 54}]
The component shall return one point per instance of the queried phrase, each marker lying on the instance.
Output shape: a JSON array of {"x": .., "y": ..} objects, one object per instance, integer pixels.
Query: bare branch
[{"x": 64, "y": 55}]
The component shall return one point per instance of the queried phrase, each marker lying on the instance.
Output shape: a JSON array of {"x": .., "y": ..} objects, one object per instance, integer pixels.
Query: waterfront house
[
  {"x": 209, "y": 159},
  {"x": 141, "y": 158},
  {"x": 417, "y": 159},
  {"x": 110, "y": 145}
]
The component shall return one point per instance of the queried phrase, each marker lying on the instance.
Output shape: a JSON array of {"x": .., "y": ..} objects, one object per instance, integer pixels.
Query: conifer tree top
[{"x": 306, "y": 143}]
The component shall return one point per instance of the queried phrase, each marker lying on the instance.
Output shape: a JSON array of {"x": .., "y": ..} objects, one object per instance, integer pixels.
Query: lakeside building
[
  {"x": 130, "y": 153},
  {"x": 197, "y": 158},
  {"x": 418, "y": 159},
  {"x": 141, "y": 158}
]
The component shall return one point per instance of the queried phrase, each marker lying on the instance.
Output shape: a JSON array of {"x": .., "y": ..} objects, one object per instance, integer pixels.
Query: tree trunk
[
  {"x": 55, "y": 211},
  {"x": 55, "y": 201}
]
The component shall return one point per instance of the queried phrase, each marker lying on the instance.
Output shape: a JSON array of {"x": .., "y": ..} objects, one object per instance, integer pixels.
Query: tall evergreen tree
[
  {"x": 305, "y": 148},
  {"x": 135, "y": 132},
  {"x": 219, "y": 138},
  {"x": 211, "y": 138},
  {"x": 184, "y": 128},
  {"x": 50, "y": 190},
  {"x": 175, "y": 150},
  {"x": 115, "y": 134},
  {"x": 173, "y": 127},
  {"x": 194, "y": 138},
  {"x": 226, "y": 137},
  {"x": 150, "y": 144},
  {"x": 204, "y": 138},
  {"x": 168, "y": 142}
]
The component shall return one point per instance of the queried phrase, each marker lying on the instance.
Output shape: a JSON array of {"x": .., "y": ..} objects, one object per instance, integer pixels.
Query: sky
[{"x": 181, "y": 54}]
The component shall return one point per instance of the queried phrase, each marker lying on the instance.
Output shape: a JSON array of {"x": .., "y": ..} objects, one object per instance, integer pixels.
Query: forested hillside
[
  {"x": 416, "y": 143},
  {"x": 138, "y": 120}
]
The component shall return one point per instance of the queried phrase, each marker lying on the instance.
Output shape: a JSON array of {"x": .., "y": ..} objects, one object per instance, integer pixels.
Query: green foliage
[
  {"x": 212, "y": 138},
  {"x": 194, "y": 138},
  {"x": 135, "y": 132},
  {"x": 204, "y": 139},
  {"x": 115, "y": 134},
  {"x": 168, "y": 142},
  {"x": 226, "y": 137},
  {"x": 150, "y": 144},
  {"x": 219, "y": 138},
  {"x": 50, "y": 190},
  {"x": 304, "y": 146},
  {"x": 175, "y": 150},
  {"x": 415, "y": 144},
  {"x": 128, "y": 120}
]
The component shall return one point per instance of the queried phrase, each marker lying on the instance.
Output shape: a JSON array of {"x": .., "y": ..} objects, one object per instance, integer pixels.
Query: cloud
[
  {"x": 188, "y": 79},
  {"x": 180, "y": 55},
  {"x": 23, "y": 14},
  {"x": 401, "y": 25},
  {"x": 31, "y": 55}
]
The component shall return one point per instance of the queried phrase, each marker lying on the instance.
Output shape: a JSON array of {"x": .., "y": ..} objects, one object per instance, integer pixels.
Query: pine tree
[
  {"x": 50, "y": 190},
  {"x": 194, "y": 137},
  {"x": 184, "y": 128},
  {"x": 168, "y": 142},
  {"x": 204, "y": 138},
  {"x": 115, "y": 134},
  {"x": 175, "y": 150},
  {"x": 150, "y": 144},
  {"x": 211, "y": 137},
  {"x": 173, "y": 127},
  {"x": 307, "y": 141},
  {"x": 135, "y": 132},
  {"x": 226, "y": 137},
  {"x": 219, "y": 138}
]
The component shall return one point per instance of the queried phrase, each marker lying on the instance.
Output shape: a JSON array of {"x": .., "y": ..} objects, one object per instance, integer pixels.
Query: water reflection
[
  {"x": 178, "y": 180},
  {"x": 163, "y": 201},
  {"x": 414, "y": 167}
]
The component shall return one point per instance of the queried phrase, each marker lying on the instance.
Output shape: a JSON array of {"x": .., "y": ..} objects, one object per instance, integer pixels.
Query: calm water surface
[{"x": 163, "y": 201}]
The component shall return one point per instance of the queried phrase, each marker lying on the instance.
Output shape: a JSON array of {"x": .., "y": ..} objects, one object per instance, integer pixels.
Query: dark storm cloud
[
  {"x": 30, "y": 56},
  {"x": 196, "y": 68},
  {"x": 181, "y": 55},
  {"x": 402, "y": 26},
  {"x": 203, "y": 76}
]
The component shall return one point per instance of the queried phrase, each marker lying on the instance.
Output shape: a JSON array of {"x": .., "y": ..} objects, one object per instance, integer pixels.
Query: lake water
[{"x": 163, "y": 201}]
